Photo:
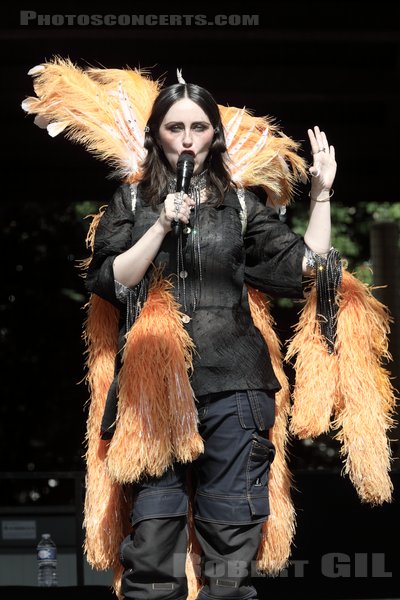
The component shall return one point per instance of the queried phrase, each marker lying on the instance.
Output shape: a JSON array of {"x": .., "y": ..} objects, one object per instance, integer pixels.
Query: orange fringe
[
  {"x": 351, "y": 385},
  {"x": 368, "y": 400},
  {"x": 279, "y": 529},
  {"x": 316, "y": 390},
  {"x": 104, "y": 501},
  {"x": 157, "y": 418}
]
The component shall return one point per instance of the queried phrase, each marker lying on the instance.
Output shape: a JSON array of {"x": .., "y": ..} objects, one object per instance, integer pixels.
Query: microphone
[{"x": 184, "y": 172}]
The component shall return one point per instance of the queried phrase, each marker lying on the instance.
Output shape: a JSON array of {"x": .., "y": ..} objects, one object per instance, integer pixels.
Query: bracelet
[
  {"x": 323, "y": 199},
  {"x": 312, "y": 258}
]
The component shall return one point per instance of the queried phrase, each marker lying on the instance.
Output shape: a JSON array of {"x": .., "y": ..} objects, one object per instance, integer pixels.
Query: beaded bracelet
[
  {"x": 323, "y": 199},
  {"x": 328, "y": 278},
  {"x": 312, "y": 257}
]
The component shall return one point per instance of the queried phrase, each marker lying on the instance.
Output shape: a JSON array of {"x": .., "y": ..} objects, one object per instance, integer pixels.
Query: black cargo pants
[{"x": 230, "y": 506}]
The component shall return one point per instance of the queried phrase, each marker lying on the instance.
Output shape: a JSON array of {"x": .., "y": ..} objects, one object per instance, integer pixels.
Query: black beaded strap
[{"x": 328, "y": 279}]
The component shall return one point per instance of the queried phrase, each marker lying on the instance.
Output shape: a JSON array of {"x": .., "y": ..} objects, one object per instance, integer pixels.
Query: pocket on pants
[
  {"x": 256, "y": 409},
  {"x": 262, "y": 453}
]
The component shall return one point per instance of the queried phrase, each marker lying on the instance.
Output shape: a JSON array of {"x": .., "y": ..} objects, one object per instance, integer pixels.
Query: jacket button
[
  {"x": 183, "y": 274},
  {"x": 186, "y": 318},
  {"x": 187, "y": 230}
]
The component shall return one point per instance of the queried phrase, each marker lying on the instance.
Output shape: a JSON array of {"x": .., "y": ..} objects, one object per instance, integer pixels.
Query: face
[{"x": 184, "y": 128}]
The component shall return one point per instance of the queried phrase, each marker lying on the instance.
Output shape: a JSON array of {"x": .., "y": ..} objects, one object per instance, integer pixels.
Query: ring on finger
[
  {"x": 178, "y": 197},
  {"x": 177, "y": 207}
]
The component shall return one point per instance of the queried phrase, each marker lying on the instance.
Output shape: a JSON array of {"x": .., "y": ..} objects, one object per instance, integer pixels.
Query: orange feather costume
[{"x": 106, "y": 110}]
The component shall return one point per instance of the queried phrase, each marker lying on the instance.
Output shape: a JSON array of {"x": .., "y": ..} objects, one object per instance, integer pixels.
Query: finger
[
  {"x": 314, "y": 171},
  {"x": 319, "y": 137},
  {"x": 183, "y": 216},
  {"x": 185, "y": 209},
  {"x": 325, "y": 141},
  {"x": 332, "y": 151},
  {"x": 316, "y": 140},
  {"x": 313, "y": 141}
]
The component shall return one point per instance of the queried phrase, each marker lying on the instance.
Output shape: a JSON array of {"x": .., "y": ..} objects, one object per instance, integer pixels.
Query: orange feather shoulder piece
[{"x": 106, "y": 110}]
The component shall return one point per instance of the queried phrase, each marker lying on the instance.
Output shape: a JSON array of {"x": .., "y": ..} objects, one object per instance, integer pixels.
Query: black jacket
[{"x": 231, "y": 353}]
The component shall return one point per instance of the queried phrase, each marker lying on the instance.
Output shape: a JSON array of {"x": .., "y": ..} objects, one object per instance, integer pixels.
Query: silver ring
[{"x": 178, "y": 197}]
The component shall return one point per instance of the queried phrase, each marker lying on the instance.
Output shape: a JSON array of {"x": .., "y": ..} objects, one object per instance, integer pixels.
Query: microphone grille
[{"x": 185, "y": 157}]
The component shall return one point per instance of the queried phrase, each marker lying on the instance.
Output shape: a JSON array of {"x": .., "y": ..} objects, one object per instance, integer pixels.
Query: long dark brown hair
[{"x": 155, "y": 167}]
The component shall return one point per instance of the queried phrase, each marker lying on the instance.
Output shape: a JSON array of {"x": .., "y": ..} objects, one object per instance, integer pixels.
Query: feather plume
[
  {"x": 37, "y": 69},
  {"x": 231, "y": 124},
  {"x": 368, "y": 400},
  {"x": 53, "y": 129},
  {"x": 261, "y": 156},
  {"x": 108, "y": 125},
  {"x": 150, "y": 435},
  {"x": 41, "y": 122},
  {"x": 316, "y": 390},
  {"x": 104, "y": 501},
  {"x": 106, "y": 110},
  {"x": 349, "y": 390}
]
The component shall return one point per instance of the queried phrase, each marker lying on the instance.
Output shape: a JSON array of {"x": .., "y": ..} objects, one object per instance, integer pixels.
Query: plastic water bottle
[{"x": 47, "y": 562}]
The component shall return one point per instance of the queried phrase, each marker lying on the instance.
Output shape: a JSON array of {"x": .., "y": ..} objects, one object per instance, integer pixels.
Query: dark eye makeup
[{"x": 198, "y": 126}]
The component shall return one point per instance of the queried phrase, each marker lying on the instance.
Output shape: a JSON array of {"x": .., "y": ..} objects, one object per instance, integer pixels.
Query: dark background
[{"x": 331, "y": 63}]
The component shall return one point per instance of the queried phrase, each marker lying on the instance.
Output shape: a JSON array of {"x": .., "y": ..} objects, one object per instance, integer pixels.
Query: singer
[
  {"x": 227, "y": 240},
  {"x": 187, "y": 487}
]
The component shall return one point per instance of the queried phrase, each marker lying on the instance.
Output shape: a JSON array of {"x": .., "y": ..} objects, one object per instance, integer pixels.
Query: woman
[
  {"x": 173, "y": 320},
  {"x": 229, "y": 239}
]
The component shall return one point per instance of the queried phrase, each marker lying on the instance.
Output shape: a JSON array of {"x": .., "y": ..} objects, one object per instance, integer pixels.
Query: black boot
[
  {"x": 154, "y": 560},
  {"x": 228, "y": 554}
]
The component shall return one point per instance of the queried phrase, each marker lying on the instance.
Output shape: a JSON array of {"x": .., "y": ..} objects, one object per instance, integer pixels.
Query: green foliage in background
[{"x": 350, "y": 230}]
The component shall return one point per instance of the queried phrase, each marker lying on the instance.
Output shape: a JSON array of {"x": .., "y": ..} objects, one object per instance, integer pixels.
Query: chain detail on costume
[
  {"x": 180, "y": 270},
  {"x": 135, "y": 297},
  {"x": 328, "y": 272},
  {"x": 135, "y": 300},
  {"x": 198, "y": 183}
]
